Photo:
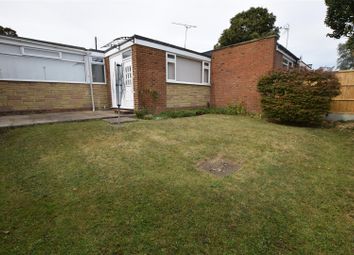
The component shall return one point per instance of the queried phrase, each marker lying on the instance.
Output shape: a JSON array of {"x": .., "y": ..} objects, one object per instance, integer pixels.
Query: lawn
[{"x": 93, "y": 188}]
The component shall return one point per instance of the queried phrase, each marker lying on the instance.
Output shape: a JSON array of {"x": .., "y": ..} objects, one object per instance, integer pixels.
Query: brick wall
[
  {"x": 19, "y": 96},
  {"x": 149, "y": 78},
  {"x": 236, "y": 70},
  {"x": 187, "y": 96},
  {"x": 278, "y": 64}
]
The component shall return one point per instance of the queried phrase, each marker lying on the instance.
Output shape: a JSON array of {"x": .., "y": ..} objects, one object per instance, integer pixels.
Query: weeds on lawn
[{"x": 238, "y": 109}]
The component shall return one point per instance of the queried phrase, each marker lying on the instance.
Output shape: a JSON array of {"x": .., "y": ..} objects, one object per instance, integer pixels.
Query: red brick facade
[
  {"x": 149, "y": 78},
  {"x": 236, "y": 70}
]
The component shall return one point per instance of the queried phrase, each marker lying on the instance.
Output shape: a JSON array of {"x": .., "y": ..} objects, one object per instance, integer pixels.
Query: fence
[{"x": 344, "y": 103}]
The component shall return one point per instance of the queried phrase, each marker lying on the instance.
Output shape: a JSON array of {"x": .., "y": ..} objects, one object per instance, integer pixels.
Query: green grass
[{"x": 93, "y": 188}]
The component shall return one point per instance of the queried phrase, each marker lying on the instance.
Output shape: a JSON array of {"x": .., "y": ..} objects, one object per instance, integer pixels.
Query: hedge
[{"x": 297, "y": 96}]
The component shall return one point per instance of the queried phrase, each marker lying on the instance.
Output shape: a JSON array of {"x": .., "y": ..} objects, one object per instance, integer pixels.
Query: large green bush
[{"x": 299, "y": 97}]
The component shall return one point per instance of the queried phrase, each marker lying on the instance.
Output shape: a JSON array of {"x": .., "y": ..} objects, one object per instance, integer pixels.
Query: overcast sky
[{"x": 76, "y": 22}]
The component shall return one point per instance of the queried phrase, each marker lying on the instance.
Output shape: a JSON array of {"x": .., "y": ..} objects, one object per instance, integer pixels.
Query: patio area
[{"x": 45, "y": 118}]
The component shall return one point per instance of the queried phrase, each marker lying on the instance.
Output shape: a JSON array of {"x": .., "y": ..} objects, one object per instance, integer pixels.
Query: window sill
[
  {"x": 43, "y": 81},
  {"x": 188, "y": 83}
]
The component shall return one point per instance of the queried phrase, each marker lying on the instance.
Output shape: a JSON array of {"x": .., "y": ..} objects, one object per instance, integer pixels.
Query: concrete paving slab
[{"x": 44, "y": 118}]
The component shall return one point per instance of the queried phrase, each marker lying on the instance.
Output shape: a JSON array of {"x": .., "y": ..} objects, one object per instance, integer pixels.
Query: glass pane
[
  {"x": 206, "y": 76},
  {"x": 170, "y": 56},
  {"x": 189, "y": 70},
  {"x": 97, "y": 59},
  {"x": 40, "y": 52},
  {"x": 127, "y": 54},
  {"x": 74, "y": 57},
  {"x": 40, "y": 69},
  {"x": 98, "y": 73},
  {"x": 171, "y": 71}
]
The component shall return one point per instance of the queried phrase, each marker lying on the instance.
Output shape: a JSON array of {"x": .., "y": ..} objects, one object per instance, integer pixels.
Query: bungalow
[{"x": 134, "y": 72}]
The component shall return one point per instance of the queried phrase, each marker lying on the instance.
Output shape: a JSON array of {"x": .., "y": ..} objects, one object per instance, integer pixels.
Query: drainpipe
[{"x": 91, "y": 85}]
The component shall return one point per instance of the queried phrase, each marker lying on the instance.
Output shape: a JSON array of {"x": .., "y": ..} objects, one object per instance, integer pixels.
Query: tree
[
  {"x": 252, "y": 24},
  {"x": 340, "y": 18},
  {"x": 345, "y": 59},
  {"x": 7, "y": 31}
]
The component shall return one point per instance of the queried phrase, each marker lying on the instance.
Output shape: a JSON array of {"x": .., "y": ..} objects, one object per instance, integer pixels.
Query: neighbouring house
[{"x": 134, "y": 72}]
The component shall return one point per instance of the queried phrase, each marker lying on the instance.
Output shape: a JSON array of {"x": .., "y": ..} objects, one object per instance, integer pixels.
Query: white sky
[{"x": 76, "y": 22}]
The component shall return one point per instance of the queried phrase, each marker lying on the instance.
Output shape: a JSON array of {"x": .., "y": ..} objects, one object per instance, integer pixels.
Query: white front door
[
  {"x": 127, "y": 101},
  {"x": 122, "y": 88}
]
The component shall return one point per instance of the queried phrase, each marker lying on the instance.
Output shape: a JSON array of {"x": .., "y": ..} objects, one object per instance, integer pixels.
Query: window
[
  {"x": 206, "y": 72},
  {"x": 40, "y": 64},
  {"x": 37, "y": 63},
  {"x": 186, "y": 70},
  {"x": 10, "y": 49},
  {"x": 171, "y": 67},
  {"x": 287, "y": 63},
  {"x": 97, "y": 67},
  {"x": 41, "y": 53},
  {"x": 127, "y": 54}
]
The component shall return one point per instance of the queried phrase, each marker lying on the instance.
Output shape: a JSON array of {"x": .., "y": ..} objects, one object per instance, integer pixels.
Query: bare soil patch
[{"x": 219, "y": 166}]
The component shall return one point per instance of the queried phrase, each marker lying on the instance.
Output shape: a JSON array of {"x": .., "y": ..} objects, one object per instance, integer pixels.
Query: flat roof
[
  {"x": 147, "y": 39},
  {"x": 168, "y": 44},
  {"x": 281, "y": 47},
  {"x": 48, "y": 42}
]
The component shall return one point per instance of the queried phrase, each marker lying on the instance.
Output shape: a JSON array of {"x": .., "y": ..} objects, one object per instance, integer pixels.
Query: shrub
[
  {"x": 237, "y": 109},
  {"x": 181, "y": 113},
  {"x": 140, "y": 114},
  {"x": 229, "y": 110},
  {"x": 299, "y": 97}
]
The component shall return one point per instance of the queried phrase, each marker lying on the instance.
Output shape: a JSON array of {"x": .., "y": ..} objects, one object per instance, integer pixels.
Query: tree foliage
[
  {"x": 301, "y": 97},
  {"x": 252, "y": 24},
  {"x": 7, "y": 31},
  {"x": 345, "y": 59},
  {"x": 340, "y": 18}
]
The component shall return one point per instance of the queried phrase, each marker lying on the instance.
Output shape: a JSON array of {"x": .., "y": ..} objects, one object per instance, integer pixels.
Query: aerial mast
[
  {"x": 186, "y": 26},
  {"x": 286, "y": 29}
]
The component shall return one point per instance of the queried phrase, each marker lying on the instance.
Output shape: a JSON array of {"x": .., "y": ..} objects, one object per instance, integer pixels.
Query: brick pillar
[{"x": 149, "y": 77}]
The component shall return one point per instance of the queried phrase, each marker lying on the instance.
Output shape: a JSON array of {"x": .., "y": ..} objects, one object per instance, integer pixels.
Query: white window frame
[
  {"x": 104, "y": 71},
  {"x": 288, "y": 64},
  {"x": 174, "y": 61},
  {"x": 22, "y": 44},
  {"x": 131, "y": 52},
  {"x": 206, "y": 67}
]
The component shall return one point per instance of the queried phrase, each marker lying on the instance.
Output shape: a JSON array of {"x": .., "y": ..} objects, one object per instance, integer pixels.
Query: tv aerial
[
  {"x": 187, "y": 27},
  {"x": 286, "y": 30}
]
